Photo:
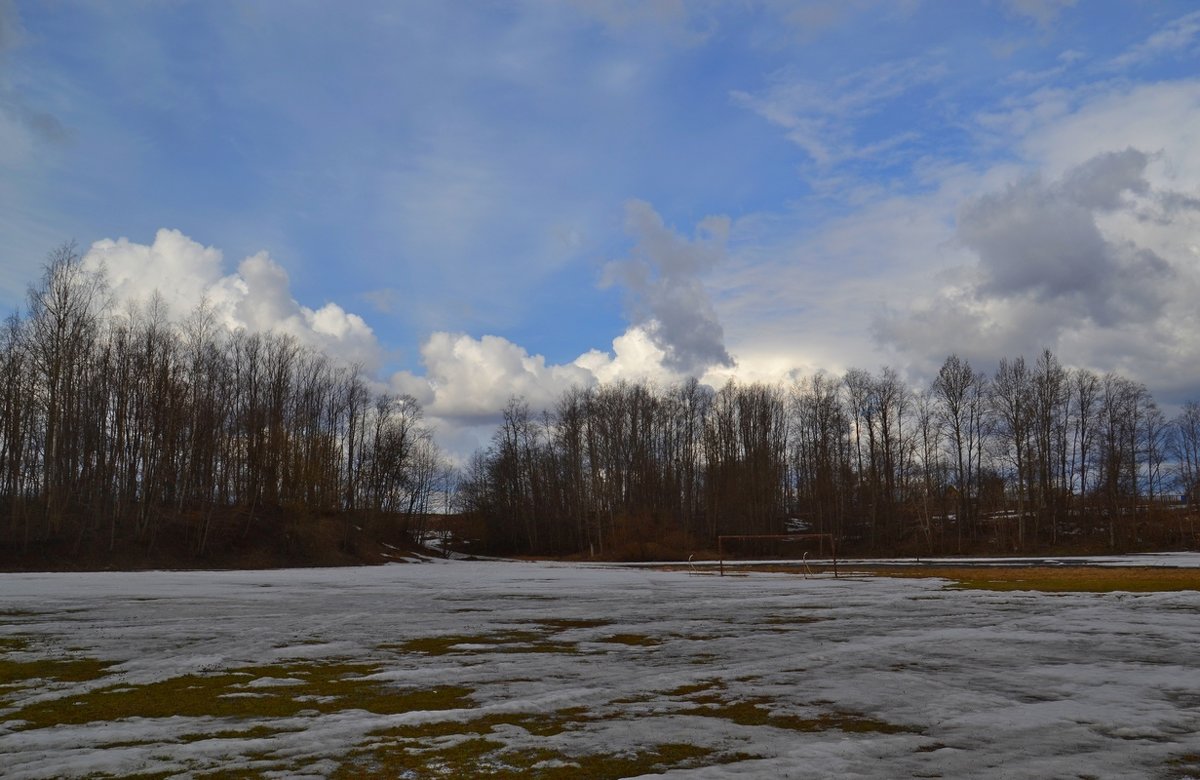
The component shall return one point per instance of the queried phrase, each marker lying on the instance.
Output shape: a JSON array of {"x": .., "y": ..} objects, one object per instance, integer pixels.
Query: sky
[{"x": 480, "y": 200}]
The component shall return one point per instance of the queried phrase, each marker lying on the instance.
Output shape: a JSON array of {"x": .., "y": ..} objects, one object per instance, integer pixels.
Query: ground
[{"x": 455, "y": 668}]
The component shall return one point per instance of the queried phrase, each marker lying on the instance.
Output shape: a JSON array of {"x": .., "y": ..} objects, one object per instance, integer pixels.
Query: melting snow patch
[{"x": 897, "y": 677}]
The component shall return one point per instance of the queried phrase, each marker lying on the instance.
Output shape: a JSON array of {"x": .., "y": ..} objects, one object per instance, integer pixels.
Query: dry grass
[
  {"x": 319, "y": 688},
  {"x": 1046, "y": 579},
  {"x": 1056, "y": 579}
]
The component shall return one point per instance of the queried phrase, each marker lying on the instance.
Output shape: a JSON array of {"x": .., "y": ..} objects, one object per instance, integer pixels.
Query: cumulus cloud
[
  {"x": 468, "y": 380},
  {"x": 674, "y": 332},
  {"x": 1080, "y": 263},
  {"x": 666, "y": 296},
  {"x": 1043, "y": 240},
  {"x": 257, "y": 297}
]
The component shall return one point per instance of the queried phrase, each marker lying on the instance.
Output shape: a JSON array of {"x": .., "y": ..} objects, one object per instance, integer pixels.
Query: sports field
[{"x": 451, "y": 669}]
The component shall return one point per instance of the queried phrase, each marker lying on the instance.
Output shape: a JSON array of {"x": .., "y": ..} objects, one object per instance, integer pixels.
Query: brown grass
[{"x": 1057, "y": 579}]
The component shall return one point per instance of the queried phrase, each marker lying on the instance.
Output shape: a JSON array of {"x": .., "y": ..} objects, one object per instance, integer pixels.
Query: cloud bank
[
  {"x": 1099, "y": 263},
  {"x": 674, "y": 329}
]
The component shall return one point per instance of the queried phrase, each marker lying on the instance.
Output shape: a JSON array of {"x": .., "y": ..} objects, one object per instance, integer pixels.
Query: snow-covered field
[{"x": 551, "y": 668}]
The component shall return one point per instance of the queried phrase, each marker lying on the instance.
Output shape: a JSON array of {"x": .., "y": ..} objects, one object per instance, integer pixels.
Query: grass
[
  {"x": 631, "y": 640},
  {"x": 322, "y": 688},
  {"x": 703, "y": 686},
  {"x": 58, "y": 669},
  {"x": 16, "y": 673},
  {"x": 1058, "y": 579},
  {"x": 475, "y": 644},
  {"x": 478, "y": 756},
  {"x": 791, "y": 620},
  {"x": 566, "y": 624},
  {"x": 1184, "y": 766},
  {"x": 757, "y": 712},
  {"x": 709, "y": 701}
]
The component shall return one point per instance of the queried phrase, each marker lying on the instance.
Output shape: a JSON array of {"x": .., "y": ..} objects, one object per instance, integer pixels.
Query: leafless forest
[
  {"x": 1035, "y": 457},
  {"x": 120, "y": 429}
]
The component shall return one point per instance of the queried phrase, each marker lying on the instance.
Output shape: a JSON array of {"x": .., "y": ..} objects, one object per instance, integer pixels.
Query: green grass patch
[{"x": 323, "y": 688}]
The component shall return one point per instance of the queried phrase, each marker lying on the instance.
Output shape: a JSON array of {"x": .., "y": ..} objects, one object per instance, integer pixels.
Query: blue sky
[{"x": 481, "y": 198}]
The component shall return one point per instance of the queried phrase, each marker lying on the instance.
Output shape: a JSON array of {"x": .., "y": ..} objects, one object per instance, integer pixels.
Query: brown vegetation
[
  {"x": 1031, "y": 459},
  {"x": 1059, "y": 579}
]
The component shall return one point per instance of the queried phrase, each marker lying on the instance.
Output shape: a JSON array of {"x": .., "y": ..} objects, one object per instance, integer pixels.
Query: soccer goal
[{"x": 798, "y": 549}]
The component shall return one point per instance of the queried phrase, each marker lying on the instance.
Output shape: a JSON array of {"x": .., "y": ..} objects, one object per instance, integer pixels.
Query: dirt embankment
[{"x": 265, "y": 541}]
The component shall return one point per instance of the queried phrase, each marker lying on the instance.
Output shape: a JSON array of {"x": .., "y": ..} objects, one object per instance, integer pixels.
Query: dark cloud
[
  {"x": 1043, "y": 241},
  {"x": 1100, "y": 183},
  {"x": 1049, "y": 275},
  {"x": 1029, "y": 240},
  {"x": 662, "y": 278}
]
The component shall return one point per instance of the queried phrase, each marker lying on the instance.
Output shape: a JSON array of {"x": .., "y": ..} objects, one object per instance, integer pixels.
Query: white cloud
[
  {"x": 1179, "y": 35},
  {"x": 257, "y": 296},
  {"x": 178, "y": 268},
  {"x": 634, "y": 357},
  {"x": 1091, "y": 254},
  {"x": 1080, "y": 237},
  {"x": 470, "y": 379},
  {"x": 820, "y": 117},
  {"x": 467, "y": 381}
]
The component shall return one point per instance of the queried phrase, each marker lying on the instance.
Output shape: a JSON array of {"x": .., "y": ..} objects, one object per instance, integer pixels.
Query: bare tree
[
  {"x": 1012, "y": 399},
  {"x": 961, "y": 394}
]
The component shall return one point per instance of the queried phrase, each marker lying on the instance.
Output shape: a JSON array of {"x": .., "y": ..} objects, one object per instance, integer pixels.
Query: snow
[{"x": 987, "y": 684}]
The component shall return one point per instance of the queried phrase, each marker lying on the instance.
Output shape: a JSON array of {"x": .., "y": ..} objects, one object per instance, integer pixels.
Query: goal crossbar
[{"x": 780, "y": 538}]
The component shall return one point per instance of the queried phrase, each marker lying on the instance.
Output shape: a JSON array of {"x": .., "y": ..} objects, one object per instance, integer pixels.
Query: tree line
[
  {"x": 1035, "y": 456},
  {"x": 117, "y": 425}
]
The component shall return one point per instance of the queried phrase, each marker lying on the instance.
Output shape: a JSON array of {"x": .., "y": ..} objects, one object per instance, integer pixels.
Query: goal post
[{"x": 822, "y": 540}]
